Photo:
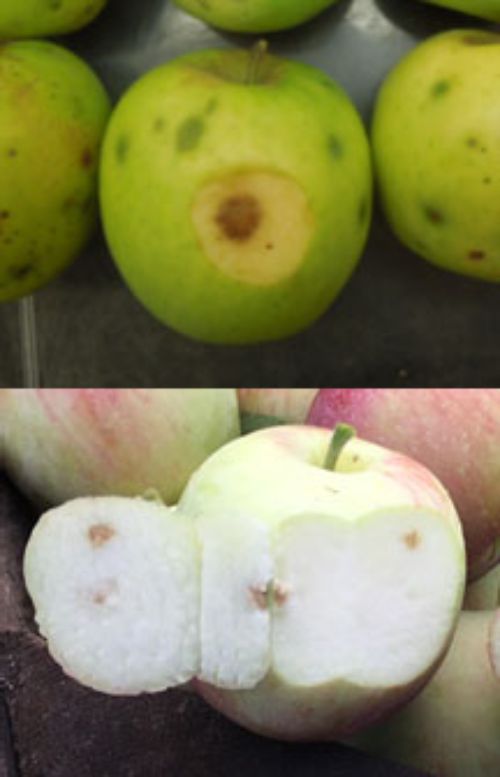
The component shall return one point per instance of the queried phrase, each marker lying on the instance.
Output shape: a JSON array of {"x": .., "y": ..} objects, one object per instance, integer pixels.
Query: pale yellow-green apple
[
  {"x": 435, "y": 131},
  {"x": 452, "y": 728},
  {"x": 265, "y": 407},
  {"x": 236, "y": 193},
  {"x": 36, "y": 18},
  {"x": 485, "y": 9},
  {"x": 484, "y": 593},
  {"x": 453, "y": 432},
  {"x": 62, "y": 443},
  {"x": 304, "y": 601},
  {"x": 53, "y": 111},
  {"x": 355, "y": 597},
  {"x": 255, "y": 15}
]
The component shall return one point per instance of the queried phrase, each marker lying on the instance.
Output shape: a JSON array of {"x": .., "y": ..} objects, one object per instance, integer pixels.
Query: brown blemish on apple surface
[
  {"x": 412, "y": 540},
  {"x": 86, "y": 158},
  {"x": 481, "y": 39},
  {"x": 275, "y": 592},
  {"x": 238, "y": 217},
  {"x": 99, "y": 534},
  {"x": 477, "y": 255}
]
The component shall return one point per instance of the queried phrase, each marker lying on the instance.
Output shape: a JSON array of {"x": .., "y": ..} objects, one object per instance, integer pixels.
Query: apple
[
  {"x": 36, "y": 18},
  {"x": 484, "y": 593},
  {"x": 307, "y": 585},
  {"x": 53, "y": 111},
  {"x": 436, "y": 154},
  {"x": 453, "y": 432},
  {"x": 486, "y": 9},
  {"x": 236, "y": 193},
  {"x": 115, "y": 585},
  {"x": 266, "y": 407},
  {"x": 62, "y": 443},
  {"x": 360, "y": 579},
  {"x": 255, "y": 15},
  {"x": 452, "y": 729}
]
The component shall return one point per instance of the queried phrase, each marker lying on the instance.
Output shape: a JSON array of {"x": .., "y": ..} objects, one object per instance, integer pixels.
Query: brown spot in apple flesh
[
  {"x": 99, "y": 534},
  {"x": 412, "y": 539},
  {"x": 239, "y": 217}
]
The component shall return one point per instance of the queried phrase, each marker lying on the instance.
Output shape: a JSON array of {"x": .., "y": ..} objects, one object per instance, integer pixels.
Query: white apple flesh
[
  {"x": 366, "y": 582},
  {"x": 306, "y": 602},
  {"x": 115, "y": 586}
]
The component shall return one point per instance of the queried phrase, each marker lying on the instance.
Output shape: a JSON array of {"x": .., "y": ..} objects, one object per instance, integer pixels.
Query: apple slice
[
  {"x": 368, "y": 576},
  {"x": 115, "y": 586}
]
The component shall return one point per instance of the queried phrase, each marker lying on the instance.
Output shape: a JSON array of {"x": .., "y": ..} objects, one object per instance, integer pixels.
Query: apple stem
[
  {"x": 257, "y": 54},
  {"x": 341, "y": 436}
]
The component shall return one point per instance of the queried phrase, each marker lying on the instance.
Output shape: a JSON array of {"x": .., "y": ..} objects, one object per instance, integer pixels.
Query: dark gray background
[{"x": 399, "y": 321}]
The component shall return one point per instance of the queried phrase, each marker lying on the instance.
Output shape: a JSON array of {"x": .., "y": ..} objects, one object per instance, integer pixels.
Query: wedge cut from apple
[
  {"x": 115, "y": 587},
  {"x": 366, "y": 582}
]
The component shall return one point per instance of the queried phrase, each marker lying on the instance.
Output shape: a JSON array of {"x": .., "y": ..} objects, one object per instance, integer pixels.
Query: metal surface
[{"x": 399, "y": 321}]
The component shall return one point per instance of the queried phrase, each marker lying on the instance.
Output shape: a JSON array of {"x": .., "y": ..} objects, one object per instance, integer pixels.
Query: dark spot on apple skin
[
  {"x": 122, "y": 148},
  {"x": 55, "y": 5},
  {"x": 190, "y": 133},
  {"x": 12, "y": 152},
  {"x": 434, "y": 215},
  {"x": 4, "y": 214},
  {"x": 477, "y": 255},
  {"x": 486, "y": 181},
  {"x": 336, "y": 147},
  {"x": 238, "y": 217},
  {"x": 159, "y": 124},
  {"x": 21, "y": 271},
  {"x": 472, "y": 142},
  {"x": 481, "y": 39},
  {"x": 87, "y": 158},
  {"x": 440, "y": 88},
  {"x": 211, "y": 106}
]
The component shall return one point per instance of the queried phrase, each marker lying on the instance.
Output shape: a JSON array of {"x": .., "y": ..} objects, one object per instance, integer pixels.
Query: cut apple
[{"x": 115, "y": 586}]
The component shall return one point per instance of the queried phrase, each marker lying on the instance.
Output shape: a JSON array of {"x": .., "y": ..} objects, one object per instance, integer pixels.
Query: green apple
[
  {"x": 36, "y": 18},
  {"x": 236, "y": 194},
  {"x": 255, "y": 15},
  {"x": 486, "y": 9},
  {"x": 452, "y": 729},
  {"x": 57, "y": 444},
  {"x": 436, "y": 150},
  {"x": 308, "y": 587},
  {"x": 53, "y": 111}
]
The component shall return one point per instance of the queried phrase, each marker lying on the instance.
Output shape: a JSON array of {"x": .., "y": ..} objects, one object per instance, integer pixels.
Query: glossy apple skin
[
  {"x": 195, "y": 120},
  {"x": 58, "y": 444},
  {"x": 452, "y": 728},
  {"x": 255, "y": 15},
  {"x": 453, "y": 432},
  {"x": 53, "y": 113},
  {"x": 38, "y": 18},
  {"x": 436, "y": 154},
  {"x": 485, "y": 9}
]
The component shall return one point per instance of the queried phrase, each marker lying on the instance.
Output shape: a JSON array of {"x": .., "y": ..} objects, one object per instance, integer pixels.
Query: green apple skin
[
  {"x": 485, "y": 9},
  {"x": 266, "y": 406},
  {"x": 37, "y": 18},
  {"x": 195, "y": 121},
  {"x": 58, "y": 444},
  {"x": 452, "y": 729},
  {"x": 255, "y": 15},
  {"x": 53, "y": 111},
  {"x": 436, "y": 153}
]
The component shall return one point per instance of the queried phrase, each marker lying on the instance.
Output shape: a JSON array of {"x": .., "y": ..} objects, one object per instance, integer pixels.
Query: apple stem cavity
[
  {"x": 342, "y": 433},
  {"x": 256, "y": 57}
]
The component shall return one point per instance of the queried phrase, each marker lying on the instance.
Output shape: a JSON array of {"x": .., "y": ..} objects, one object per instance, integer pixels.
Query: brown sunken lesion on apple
[
  {"x": 481, "y": 39},
  {"x": 99, "y": 534},
  {"x": 189, "y": 133},
  {"x": 412, "y": 539},
  {"x": 433, "y": 214},
  {"x": 238, "y": 217},
  {"x": 122, "y": 147},
  {"x": 476, "y": 255},
  {"x": 440, "y": 88}
]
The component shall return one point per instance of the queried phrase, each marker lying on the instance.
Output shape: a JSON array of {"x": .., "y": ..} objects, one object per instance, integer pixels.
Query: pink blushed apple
[
  {"x": 453, "y": 432},
  {"x": 62, "y": 443}
]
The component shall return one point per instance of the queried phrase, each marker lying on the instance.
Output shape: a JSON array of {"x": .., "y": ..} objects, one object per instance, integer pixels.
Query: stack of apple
[{"x": 306, "y": 583}]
